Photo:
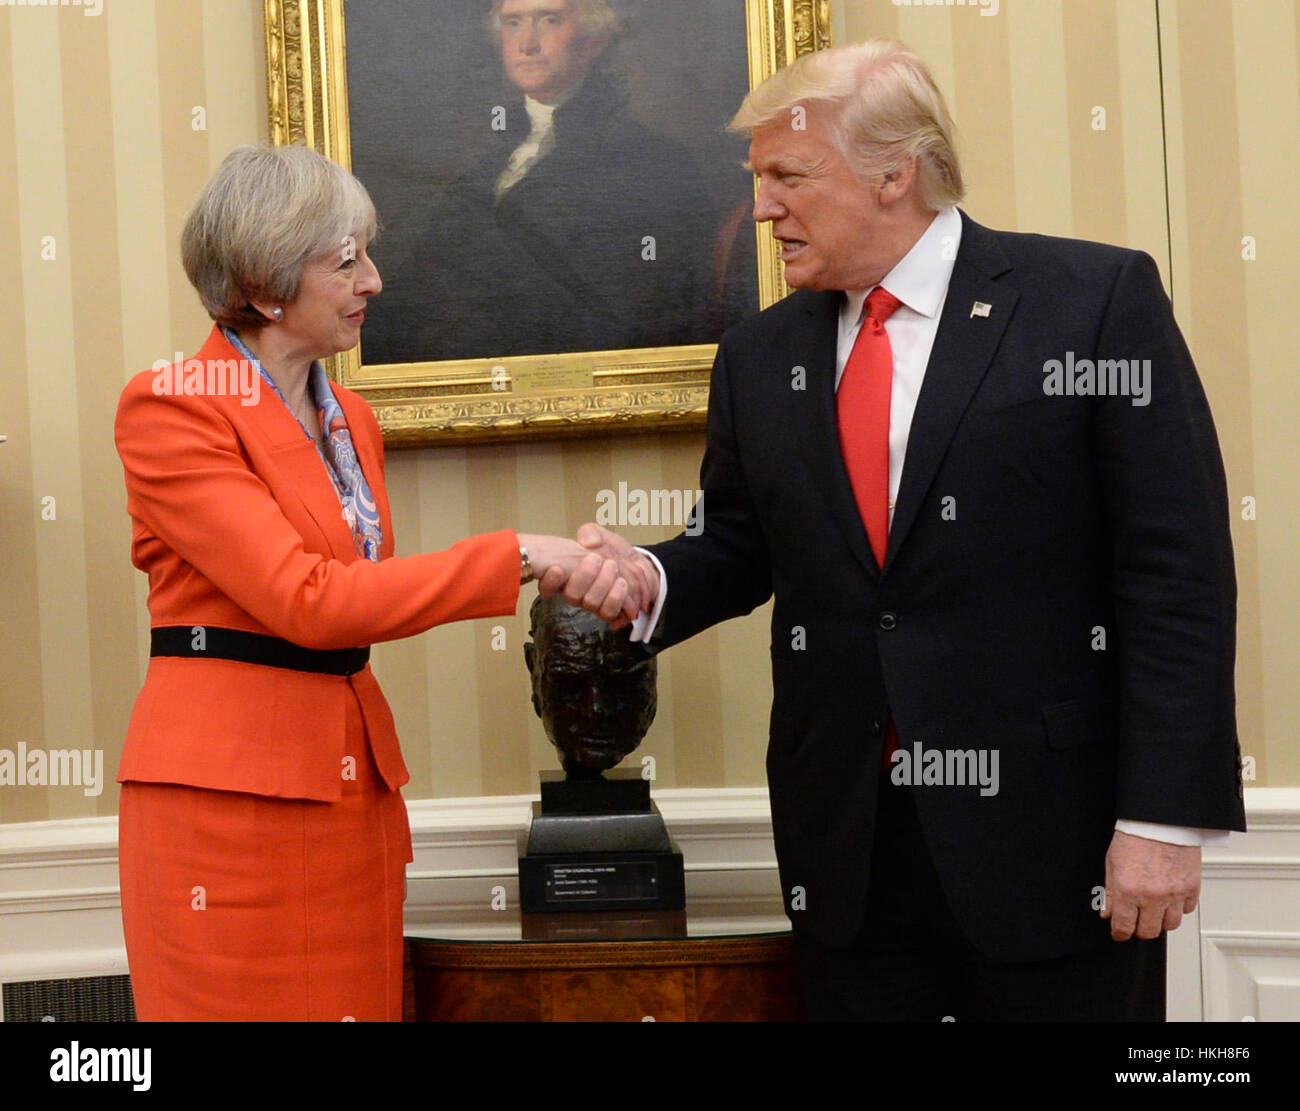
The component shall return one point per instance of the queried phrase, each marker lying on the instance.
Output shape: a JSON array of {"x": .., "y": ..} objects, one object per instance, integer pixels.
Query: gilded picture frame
[{"x": 530, "y": 396}]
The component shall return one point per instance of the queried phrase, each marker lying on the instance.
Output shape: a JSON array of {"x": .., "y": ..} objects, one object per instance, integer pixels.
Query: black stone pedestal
[{"x": 599, "y": 844}]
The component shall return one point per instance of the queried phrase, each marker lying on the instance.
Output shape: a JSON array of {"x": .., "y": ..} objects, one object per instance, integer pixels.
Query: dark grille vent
[{"x": 85, "y": 999}]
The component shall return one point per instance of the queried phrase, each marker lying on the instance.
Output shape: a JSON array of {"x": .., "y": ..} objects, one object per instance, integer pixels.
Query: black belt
[{"x": 207, "y": 641}]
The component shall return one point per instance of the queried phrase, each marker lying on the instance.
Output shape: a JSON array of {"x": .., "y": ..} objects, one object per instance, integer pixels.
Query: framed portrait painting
[{"x": 566, "y": 225}]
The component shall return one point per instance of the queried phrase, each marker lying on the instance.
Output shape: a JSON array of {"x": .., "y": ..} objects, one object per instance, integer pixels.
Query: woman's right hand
[{"x": 610, "y": 588}]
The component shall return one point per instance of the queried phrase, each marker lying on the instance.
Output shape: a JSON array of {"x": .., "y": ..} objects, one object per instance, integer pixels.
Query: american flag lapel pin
[{"x": 980, "y": 308}]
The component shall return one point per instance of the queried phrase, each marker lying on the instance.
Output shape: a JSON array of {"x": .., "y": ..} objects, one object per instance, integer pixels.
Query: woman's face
[{"x": 331, "y": 306}]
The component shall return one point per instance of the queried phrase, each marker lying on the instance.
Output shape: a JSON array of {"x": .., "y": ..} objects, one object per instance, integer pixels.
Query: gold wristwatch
[{"x": 525, "y": 566}]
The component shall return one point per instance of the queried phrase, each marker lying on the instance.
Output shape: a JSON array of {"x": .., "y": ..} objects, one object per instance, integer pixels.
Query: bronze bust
[{"x": 593, "y": 689}]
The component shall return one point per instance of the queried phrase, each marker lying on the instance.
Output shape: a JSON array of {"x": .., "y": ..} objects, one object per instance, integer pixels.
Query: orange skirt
[{"x": 240, "y": 907}]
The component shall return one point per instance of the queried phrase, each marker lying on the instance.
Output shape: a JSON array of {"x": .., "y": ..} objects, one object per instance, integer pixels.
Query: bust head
[{"x": 593, "y": 689}]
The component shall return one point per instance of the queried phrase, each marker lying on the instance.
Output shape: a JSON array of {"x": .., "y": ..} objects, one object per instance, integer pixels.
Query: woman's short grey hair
[
  {"x": 595, "y": 17},
  {"x": 888, "y": 110},
  {"x": 266, "y": 212}
]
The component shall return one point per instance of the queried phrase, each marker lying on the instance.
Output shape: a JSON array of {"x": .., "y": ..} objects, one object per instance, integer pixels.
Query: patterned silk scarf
[{"x": 339, "y": 456}]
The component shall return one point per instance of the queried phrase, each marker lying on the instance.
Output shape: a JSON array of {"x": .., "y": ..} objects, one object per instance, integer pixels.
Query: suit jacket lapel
[
  {"x": 302, "y": 463},
  {"x": 819, "y": 439},
  {"x": 963, "y": 350},
  {"x": 291, "y": 451}
]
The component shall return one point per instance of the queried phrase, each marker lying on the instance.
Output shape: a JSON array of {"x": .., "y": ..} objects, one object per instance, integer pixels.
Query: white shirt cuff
[
  {"x": 644, "y": 625},
  {"x": 1173, "y": 835}
]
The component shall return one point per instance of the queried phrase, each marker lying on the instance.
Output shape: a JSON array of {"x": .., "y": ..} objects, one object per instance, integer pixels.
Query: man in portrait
[
  {"x": 580, "y": 228},
  {"x": 978, "y": 473}
]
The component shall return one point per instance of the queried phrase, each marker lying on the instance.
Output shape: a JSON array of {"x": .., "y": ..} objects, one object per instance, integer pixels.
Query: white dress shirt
[{"x": 920, "y": 281}]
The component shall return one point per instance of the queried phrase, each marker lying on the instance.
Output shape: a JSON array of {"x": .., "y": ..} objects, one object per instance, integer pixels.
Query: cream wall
[{"x": 1200, "y": 148}]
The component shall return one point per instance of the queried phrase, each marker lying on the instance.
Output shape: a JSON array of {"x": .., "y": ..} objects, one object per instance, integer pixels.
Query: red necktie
[{"x": 862, "y": 403}]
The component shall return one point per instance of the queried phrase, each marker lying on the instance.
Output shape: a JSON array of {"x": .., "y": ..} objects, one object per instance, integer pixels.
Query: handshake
[{"x": 599, "y": 571}]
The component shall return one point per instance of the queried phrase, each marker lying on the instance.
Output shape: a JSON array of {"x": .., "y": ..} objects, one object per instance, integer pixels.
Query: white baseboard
[{"x": 1237, "y": 958}]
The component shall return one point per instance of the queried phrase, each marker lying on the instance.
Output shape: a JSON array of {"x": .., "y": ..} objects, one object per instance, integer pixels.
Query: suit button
[
  {"x": 875, "y": 729},
  {"x": 888, "y": 621}
]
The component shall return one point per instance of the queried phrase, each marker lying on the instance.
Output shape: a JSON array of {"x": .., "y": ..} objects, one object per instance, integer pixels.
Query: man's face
[
  {"x": 827, "y": 221},
  {"x": 544, "y": 49}
]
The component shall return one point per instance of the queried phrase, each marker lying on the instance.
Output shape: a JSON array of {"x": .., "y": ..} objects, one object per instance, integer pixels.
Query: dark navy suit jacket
[{"x": 1025, "y": 523}]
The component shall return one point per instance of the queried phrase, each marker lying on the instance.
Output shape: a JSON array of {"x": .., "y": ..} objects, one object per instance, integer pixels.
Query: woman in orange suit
[{"x": 263, "y": 839}]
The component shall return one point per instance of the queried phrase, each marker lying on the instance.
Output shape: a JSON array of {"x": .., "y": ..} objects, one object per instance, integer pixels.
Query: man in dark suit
[
  {"x": 581, "y": 229},
  {"x": 979, "y": 474}
]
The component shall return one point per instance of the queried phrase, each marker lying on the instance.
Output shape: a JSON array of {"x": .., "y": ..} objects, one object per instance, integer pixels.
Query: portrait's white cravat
[{"x": 540, "y": 143}]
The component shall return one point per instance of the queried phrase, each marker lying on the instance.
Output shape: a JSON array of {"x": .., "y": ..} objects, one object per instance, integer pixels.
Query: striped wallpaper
[{"x": 110, "y": 124}]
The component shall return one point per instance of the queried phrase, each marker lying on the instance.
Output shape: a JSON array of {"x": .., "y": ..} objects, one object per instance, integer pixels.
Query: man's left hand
[{"x": 1150, "y": 885}]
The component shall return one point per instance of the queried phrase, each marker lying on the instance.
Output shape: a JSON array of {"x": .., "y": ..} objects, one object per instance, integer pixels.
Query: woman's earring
[{"x": 278, "y": 313}]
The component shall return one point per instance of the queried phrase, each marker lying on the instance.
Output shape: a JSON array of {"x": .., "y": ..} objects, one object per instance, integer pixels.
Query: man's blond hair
[{"x": 887, "y": 110}]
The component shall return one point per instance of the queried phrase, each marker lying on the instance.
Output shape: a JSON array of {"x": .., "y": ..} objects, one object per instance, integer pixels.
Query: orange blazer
[{"x": 237, "y": 525}]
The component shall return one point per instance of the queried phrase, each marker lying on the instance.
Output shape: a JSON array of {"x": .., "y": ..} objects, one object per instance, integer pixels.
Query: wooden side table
[{"x": 732, "y": 978}]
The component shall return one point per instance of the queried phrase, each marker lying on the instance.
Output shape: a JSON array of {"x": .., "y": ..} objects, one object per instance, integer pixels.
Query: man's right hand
[
  {"x": 595, "y": 584},
  {"x": 556, "y": 560}
]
